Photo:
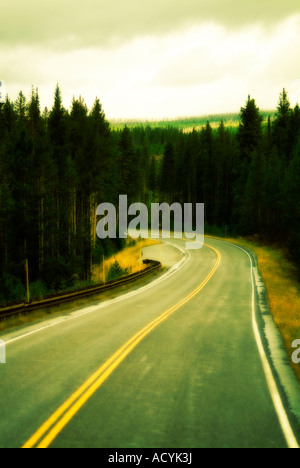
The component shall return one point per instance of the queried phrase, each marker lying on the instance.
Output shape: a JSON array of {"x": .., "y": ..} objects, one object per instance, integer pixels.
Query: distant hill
[{"x": 188, "y": 123}]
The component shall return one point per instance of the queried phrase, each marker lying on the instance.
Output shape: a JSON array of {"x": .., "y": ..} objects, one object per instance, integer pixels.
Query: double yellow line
[{"x": 45, "y": 435}]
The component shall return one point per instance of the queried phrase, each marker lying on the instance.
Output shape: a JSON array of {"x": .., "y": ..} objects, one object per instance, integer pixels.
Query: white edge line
[
  {"x": 174, "y": 269},
  {"x": 279, "y": 407}
]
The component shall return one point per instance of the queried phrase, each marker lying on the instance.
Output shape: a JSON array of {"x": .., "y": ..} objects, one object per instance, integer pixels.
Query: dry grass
[
  {"x": 283, "y": 288},
  {"x": 214, "y": 125},
  {"x": 129, "y": 259}
]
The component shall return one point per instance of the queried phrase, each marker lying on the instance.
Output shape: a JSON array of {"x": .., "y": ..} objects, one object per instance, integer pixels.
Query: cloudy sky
[{"x": 153, "y": 58}]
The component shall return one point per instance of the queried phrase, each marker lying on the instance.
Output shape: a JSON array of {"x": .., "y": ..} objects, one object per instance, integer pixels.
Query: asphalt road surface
[{"x": 174, "y": 365}]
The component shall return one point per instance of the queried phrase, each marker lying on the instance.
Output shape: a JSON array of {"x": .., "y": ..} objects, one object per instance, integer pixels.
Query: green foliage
[
  {"x": 11, "y": 290},
  {"x": 291, "y": 193},
  {"x": 250, "y": 129},
  {"x": 231, "y": 120},
  {"x": 39, "y": 290},
  {"x": 244, "y": 177},
  {"x": 116, "y": 272},
  {"x": 282, "y": 126},
  {"x": 98, "y": 253},
  {"x": 106, "y": 248},
  {"x": 56, "y": 166},
  {"x": 168, "y": 173},
  {"x": 128, "y": 165}
]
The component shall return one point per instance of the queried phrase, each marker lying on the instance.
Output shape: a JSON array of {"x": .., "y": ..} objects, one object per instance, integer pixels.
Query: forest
[{"x": 58, "y": 165}]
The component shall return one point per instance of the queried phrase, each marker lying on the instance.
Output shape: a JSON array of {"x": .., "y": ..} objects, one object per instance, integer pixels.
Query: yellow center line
[{"x": 67, "y": 410}]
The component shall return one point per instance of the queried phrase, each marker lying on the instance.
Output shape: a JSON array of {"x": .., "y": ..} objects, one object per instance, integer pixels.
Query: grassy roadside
[
  {"x": 283, "y": 289},
  {"x": 125, "y": 262},
  {"x": 129, "y": 261}
]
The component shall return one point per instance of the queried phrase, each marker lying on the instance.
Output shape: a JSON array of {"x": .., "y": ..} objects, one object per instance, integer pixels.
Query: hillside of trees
[
  {"x": 188, "y": 123},
  {"x": 56, "y": 166}
]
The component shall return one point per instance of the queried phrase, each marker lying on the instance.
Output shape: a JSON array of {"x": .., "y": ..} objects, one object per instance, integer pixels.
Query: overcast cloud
[
  {"x": 158, "y": 58},
  {"x": 99, "y": 22}
]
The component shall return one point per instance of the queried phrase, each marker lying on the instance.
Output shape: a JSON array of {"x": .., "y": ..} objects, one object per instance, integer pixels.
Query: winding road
[{"x": 178, "y": 363}]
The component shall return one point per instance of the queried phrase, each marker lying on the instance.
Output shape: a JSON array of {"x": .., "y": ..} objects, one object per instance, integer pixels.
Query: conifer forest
[{"x": 58, "y": 165}]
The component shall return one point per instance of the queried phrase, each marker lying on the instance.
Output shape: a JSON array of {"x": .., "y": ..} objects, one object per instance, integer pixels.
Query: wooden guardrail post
[
  {"x": 103, "y": 267},
  {"x": 141, "y": 263},
  {"x": 27, "y": 282}
]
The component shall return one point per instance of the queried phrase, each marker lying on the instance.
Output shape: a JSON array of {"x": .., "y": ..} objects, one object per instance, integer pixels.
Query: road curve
[{"x": 176, "y": 365}]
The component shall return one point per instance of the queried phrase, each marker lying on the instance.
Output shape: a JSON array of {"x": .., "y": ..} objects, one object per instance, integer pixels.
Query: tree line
[
  {"x": 56, "y": 166},
  {"x": 249, "y": 179}
]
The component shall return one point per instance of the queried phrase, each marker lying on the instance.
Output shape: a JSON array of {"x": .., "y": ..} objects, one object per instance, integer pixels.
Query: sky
[{"x": 157, "y": 59}]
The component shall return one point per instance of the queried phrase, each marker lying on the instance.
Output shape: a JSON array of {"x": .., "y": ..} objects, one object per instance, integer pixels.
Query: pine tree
[
  {"x": 152, "y": 176},
  {"x": 20, "y": 106},
  {"x": 64, "y": 191},
  {"x": 205, "y": 176},
  {"x": 102, "y": 156},
  {"x": 281, "y": 128},
  {"x": 254, "y": 193},
  {"x": 283, "y": 109},
  {"x": 128, "y": 165},
  {"x": 168, "y": 173},
  {"x": 23, "y": 177},
  {"x": 250, "y": 142},
  {"x": 250, "y": 129},
  {"x": 294, "y": 129},
  {"x": 273, "y": 226},
  {"x": 7, "y": 127},
  {"x": 291, "y": 204},
  {"x": 37, "y": 135},
  {"x": 100, "y": 175},
  {"x": 223, "y": 176}
]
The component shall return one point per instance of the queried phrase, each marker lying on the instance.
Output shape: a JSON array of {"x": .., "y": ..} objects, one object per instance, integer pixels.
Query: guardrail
[{"x": 68, "y": 297}]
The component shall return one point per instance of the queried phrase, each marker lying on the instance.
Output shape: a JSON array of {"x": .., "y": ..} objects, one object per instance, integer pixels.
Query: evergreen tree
[
  {"x": 103, "y": 172},
  {"x": 206, "y": 177},
  {"x": 291, "y": 204},
  {"x": 36, "y": 240},
  {"x": 128, "y": 165},
  {"x": 183, "y": 169},
  {"x": 294, "y": 129},
  {"x": 20, "y": 106},
  {"x": 103, "y": 155},
  {"x": 79, "y": 198},
  {"x": 250, "y": 140},
  {"x": 250, "y": 129},
  {"x": 152, "y": 176},
  {"x": 7, "y": 126},
  {"x": 223, "y": 176},
  {"x": 282, "y": 125},
  {"x": 273, "y": 215},
  {"x": 253, "y": 195},
  {"x": 22, "y": 170},
  {"x": 168, "y": 173},
  {"x": 56, "y": 167},
  {"x": 63, "y": 195}
]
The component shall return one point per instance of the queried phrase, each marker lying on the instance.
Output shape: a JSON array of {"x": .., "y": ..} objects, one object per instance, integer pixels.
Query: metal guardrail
[{"x": 68, "y": 297}]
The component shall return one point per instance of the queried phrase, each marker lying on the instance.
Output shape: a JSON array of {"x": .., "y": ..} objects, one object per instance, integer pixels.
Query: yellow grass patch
[
  {"x": 129, "y": 259},
  {"x": 214, "y": 125},
  {"x": 283, "y": 289}
]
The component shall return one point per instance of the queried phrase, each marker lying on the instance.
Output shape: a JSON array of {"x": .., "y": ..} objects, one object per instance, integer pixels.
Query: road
[{"x": 194, "y": 377}]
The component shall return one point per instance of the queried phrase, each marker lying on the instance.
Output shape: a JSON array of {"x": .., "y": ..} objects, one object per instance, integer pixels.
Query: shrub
[
  {"x": 116, "y": 272},
  {"x": 11, "y": 290},
  {"x": 38, "y": 290}
]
